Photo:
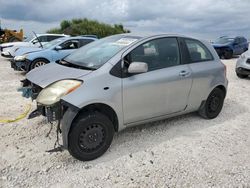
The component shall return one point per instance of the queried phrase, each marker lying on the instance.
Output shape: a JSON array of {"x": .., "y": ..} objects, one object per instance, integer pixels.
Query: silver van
[{"x": 125, "y": 80}]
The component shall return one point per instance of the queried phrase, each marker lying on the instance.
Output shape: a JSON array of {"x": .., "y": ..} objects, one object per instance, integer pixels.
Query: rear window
[
  {"x": 53, "y": 37},
  {"x": 197, "y": 51}
]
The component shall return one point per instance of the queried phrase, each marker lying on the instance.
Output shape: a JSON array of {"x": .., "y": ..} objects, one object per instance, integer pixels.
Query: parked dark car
[{"x": 226, "y": 47}]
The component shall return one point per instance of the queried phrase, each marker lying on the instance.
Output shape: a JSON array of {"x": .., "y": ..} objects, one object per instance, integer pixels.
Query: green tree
[{"x": 85, "y": 26}]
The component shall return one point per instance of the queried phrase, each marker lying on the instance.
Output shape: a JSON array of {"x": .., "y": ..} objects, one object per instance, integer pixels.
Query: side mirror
[
  {"x": 138, "y": 67},
  {"x": 58, "y": 48},
  {"x": 35, "y": 41}
]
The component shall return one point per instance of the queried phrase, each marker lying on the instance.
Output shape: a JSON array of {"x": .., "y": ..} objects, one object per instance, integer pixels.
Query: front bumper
[
  {"x": 20, "y": 65},
  {"x": 242, "y": 71},
  {"x": 61, "y": 111},
  {"x": 6, "y": 54}
]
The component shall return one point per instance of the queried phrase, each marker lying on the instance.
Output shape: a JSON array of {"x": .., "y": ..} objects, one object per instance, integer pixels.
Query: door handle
[{"x": 184, "y": 73}]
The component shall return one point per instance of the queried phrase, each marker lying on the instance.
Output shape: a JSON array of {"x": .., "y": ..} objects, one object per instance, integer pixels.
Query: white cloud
[{"x": 203, "y": 18}]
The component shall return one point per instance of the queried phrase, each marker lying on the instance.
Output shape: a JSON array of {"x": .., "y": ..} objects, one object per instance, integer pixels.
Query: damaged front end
[
  {"x": 49, "y": 98},
  {"x": 50, "y": 105}
]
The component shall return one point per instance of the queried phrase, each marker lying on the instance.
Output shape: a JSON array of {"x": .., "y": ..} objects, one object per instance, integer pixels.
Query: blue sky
[{"x": 206, "y": 19}]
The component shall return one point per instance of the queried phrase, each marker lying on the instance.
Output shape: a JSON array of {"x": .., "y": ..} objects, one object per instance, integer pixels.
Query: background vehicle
[
  {"x": 243, "y": 65},
  {"x": 30, "y": 58},
  {"x": 7, "y": 35},
  {"x": 226, "y": 47},
  {"x": 125, "y": 80},
  {"x": 8, "y": 49}
]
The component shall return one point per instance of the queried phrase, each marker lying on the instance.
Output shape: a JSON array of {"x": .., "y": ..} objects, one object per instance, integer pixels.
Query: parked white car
[{"x": 8, "y": 49}]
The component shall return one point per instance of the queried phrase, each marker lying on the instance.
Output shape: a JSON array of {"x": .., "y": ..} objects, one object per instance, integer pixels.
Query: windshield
[
  {"x": 223, "y": 40},
  {"x": 52, "y": 43},
  {"x": 97, "y": 53}
]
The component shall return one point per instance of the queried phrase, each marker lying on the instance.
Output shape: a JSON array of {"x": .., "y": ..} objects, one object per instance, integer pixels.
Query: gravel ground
[{"x": 185, "y": 151}]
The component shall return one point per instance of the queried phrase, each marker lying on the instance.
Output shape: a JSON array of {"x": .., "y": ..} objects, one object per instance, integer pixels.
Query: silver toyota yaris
[{"x": 125, "y": 80}]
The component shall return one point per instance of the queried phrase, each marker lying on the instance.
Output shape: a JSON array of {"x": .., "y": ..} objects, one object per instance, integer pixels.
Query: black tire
[
  {"x": 228, "y": 54},
  {"x": 213, "y": 105},
  {"x": 38, "y": 62},
  {"x": 90, "y": 136},
  {"x": 241, "y": 75}
]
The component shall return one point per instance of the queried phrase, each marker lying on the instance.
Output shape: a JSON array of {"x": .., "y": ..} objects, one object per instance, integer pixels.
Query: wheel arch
[
  {"x": 102, "y": 108},
  {"x": 221, "y": 87},
  {"x": 36, "y": 59}
]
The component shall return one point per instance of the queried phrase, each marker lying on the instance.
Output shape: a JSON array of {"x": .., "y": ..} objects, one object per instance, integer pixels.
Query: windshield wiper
[{"x": 69, "y": 64}]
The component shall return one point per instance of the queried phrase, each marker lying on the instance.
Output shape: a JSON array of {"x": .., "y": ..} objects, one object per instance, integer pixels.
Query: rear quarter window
[{"x": 198, "y": 52}]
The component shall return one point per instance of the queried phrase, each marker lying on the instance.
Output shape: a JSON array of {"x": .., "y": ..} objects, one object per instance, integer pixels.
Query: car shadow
[{"x": 146, "y": 136}]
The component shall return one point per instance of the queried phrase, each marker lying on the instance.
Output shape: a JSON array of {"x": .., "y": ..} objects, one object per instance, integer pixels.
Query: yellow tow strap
[{"x": 21, "y": 116}]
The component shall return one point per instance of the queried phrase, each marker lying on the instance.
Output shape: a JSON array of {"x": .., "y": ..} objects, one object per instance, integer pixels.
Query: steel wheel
[
  {"x": 213, "y": 105},
  {"x": 91, "y": 138}
]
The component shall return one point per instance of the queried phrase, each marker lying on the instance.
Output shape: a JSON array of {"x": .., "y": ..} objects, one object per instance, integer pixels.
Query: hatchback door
[{"x": 164, "y": 89}]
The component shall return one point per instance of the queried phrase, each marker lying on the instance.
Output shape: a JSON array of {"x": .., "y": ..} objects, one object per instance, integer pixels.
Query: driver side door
[{"x": 163, "y": 89}]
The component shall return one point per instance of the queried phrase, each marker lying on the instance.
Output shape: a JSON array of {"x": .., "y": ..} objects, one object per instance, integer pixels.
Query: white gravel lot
[{"x": 185, "y": 151}]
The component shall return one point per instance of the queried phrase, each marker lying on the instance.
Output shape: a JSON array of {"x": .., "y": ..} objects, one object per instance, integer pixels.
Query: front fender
[{"x": 66, "y": 123}]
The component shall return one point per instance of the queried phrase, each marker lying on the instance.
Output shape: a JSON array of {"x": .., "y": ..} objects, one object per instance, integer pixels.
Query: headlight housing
[
  {"x": 53, "y": 93},
  {"x": 20, "y": 58},
  {"x": 243, "y": 56}
]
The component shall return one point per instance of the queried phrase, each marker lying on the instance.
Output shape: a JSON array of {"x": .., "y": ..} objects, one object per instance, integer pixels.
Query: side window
[
  {"x": 70, "y": 44},
  {"x": 158, "y": 54},
  {"x": 43, "y": 39},
  {"x": 52, "y": 37},
  {"x": 197, "y": 51},
  {"x": 85, "y": 41}
]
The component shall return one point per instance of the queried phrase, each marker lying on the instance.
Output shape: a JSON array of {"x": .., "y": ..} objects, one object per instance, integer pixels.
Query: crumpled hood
[
  {"x": 26, "y": 50},
  {"x": 216, "y": 45},
  {"x": 52, "y": 72}
]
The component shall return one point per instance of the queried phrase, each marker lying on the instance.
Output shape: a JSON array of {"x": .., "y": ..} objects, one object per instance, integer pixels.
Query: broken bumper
[
  {"x": 20, "y": 65},
  {"x": 60, "y": 111}
]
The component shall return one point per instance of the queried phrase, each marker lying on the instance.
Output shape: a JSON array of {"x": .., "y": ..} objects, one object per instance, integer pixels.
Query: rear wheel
[
  {"x": 228, "y": 54},
  {"x": 90, "y": 136},
  {"x": 38, "y": 63},
  {"x": 213, "y": 104}
]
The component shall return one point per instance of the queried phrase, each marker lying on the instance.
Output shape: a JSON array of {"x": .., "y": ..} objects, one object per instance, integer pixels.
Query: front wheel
[
  {"x": 90, "y": 136},
  {"x": 38, "y": 63},
  {"x": 213, "y": 104}
]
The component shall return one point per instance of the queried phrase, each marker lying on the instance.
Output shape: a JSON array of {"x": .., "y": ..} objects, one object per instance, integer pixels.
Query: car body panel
[
  {"x": 50, "y": 54},
  {"x": 9, "y": 49},
  {"x": 243, "y": 64},
  {"x": 138, "y": 98},
  {"x": 238, "y": 45},
  {"x": 54, "y": 72}
]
